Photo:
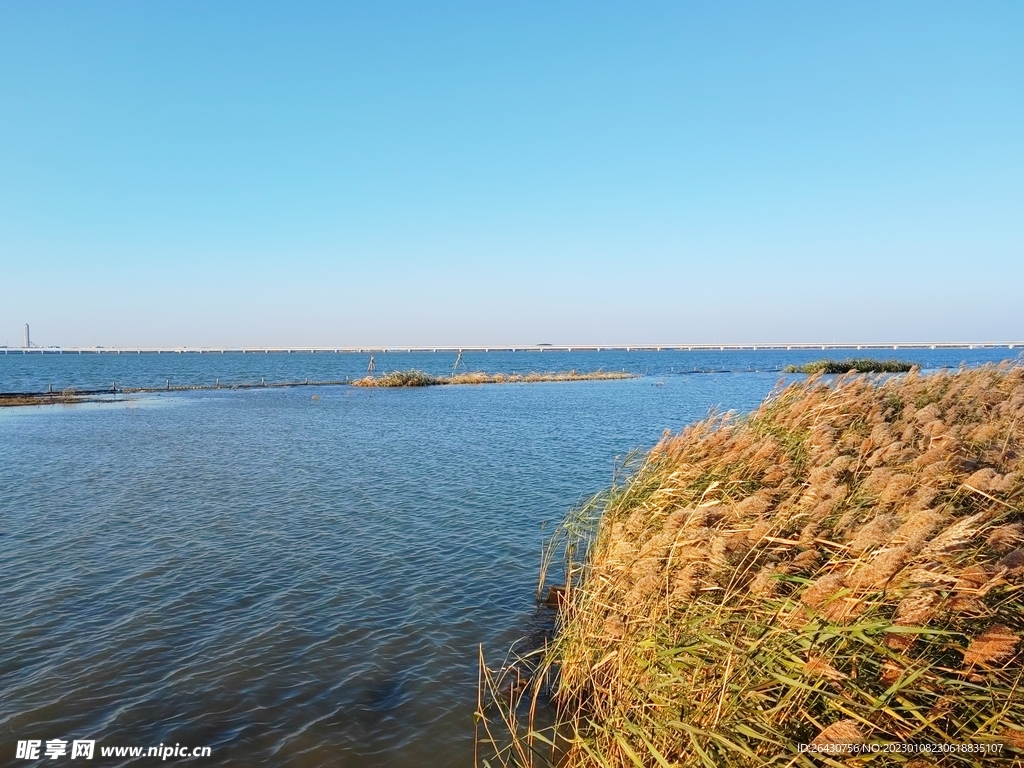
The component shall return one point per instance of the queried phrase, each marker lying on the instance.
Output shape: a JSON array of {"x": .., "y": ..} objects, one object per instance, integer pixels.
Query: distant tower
[{"x": 28, "y": 342}]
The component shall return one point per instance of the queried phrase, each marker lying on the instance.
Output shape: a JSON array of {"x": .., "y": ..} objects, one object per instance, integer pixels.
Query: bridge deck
[{"x": 524, "y": 348}]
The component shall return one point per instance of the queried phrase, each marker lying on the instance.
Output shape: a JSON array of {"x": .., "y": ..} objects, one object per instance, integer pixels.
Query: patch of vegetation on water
[
  {"x": 399, "y": 379},
  {"x": 860, "y": 365},
  {"x": 421, "y": 379}
]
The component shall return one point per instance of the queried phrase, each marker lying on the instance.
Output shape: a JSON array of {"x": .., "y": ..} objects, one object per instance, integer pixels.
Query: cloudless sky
[{"x": 196, "y": 173}]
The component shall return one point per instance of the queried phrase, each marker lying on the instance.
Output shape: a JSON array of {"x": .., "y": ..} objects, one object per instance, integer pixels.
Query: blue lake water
[
  {"x": 296, "y": 581},
  {"x": 34, "y": 372}
]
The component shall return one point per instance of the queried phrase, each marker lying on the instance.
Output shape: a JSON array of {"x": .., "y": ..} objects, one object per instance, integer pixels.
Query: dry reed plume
[{"x": 843, "y": 566}]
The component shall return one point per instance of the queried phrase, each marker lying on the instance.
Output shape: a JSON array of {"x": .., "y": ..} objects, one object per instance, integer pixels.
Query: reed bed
[
  {"x": 860, "y": 365},
  {"x": 843, "y": 567},
  {"x": 421, "y": 379}
]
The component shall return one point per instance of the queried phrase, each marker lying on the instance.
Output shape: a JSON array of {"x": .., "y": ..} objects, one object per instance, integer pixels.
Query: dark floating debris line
[
  {"x": 726, "y": 370},
  {"x": 73, "y": 394},
  {"x": 238, "y": 385}
]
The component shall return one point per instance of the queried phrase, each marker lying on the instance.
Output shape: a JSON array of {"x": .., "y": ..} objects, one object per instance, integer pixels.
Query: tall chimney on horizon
[{"x": 28, "y": 341}]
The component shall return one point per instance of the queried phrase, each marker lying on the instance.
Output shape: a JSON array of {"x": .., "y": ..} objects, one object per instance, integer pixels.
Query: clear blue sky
[{"x": 483, "y": 173}]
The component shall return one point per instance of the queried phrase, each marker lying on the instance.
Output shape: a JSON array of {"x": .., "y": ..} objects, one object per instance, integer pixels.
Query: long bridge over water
[{"x": 512, "y": 348}]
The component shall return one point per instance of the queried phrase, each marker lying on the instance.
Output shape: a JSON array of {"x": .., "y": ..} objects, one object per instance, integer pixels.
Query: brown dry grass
[{"x": 848, "y": 558}]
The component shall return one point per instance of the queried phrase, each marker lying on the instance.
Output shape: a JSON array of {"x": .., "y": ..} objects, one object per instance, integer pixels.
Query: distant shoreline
[{"x": 394, "y": 379}]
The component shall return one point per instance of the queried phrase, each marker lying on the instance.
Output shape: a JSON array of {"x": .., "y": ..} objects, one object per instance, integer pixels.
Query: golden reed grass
[{"x": 844, "y": 565}]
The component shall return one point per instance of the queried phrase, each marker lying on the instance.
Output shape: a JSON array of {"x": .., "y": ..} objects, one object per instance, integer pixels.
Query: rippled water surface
[{"x": 296, "y": 581}]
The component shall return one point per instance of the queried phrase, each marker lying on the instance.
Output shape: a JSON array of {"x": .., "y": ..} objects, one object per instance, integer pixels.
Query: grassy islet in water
[{"x": 860, "y": 365}]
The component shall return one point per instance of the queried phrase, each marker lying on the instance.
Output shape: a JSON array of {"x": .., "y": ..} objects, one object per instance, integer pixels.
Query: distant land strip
[
  {"x": 71, "y": 395},
  {"x": 55, "y": 350}
]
